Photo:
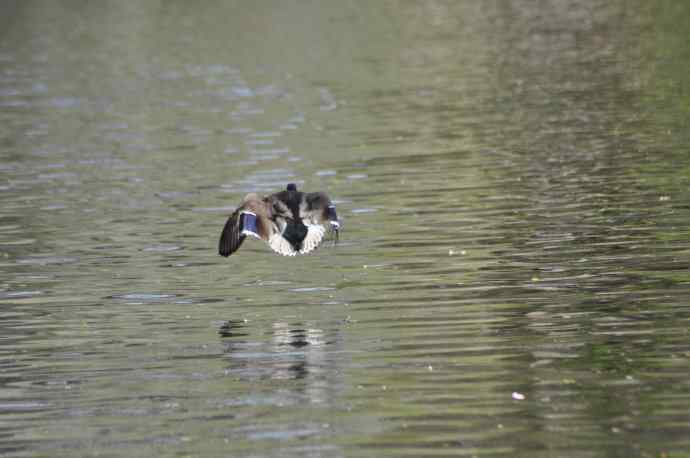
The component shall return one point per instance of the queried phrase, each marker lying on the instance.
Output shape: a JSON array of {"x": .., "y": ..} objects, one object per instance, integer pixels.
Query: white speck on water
[
  {"x": 162, "y": 248},
  {"x": 242, "y": 91},
  {"x": 311, "y": 290},
  {"x": 518, "y": 396}
]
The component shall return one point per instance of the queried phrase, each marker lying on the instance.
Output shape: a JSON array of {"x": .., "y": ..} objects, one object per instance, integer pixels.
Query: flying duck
[{"x": 291, "y": 222}]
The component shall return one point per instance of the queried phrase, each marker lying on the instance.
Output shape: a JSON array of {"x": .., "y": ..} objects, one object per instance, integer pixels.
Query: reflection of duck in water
[
  {"x": 296, "y": 335},
  {"x": 305, "y": 347},
  {"x": 294, "y": 351},
  {"x": 312, "y": 358},
  {"x": 291, "y": 222}
]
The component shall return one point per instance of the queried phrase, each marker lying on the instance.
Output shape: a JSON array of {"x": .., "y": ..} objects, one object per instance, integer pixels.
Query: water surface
[{"x": 512, "y": 277}]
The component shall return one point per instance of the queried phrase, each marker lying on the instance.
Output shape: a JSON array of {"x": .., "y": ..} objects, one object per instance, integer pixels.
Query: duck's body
[{"x": 291, "y": 222}]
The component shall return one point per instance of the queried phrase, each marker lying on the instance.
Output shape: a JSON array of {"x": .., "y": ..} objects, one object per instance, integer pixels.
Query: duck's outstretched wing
[
  {"x": 250, "y": 218},
  {"x": 232, "y": 237},
  {"x": 280, "y": 245},
  {"x": 312, "y": 239},
  {"x": 320, "y": 210},
  {"x": 315, "y": 233}
]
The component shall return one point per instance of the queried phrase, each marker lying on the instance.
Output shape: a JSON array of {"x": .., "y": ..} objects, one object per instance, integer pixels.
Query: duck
[{"x": 291, "y": 222}]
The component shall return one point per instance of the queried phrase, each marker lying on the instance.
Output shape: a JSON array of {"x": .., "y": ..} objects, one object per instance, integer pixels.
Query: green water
[{"x": 513, "y": 275}]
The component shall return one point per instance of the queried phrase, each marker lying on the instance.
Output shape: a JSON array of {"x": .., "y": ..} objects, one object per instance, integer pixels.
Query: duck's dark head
[{"x": 292, "y": 187}]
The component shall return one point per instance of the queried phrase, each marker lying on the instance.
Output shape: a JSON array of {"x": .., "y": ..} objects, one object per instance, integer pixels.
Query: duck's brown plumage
[{"x": 291, "y": 222}]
